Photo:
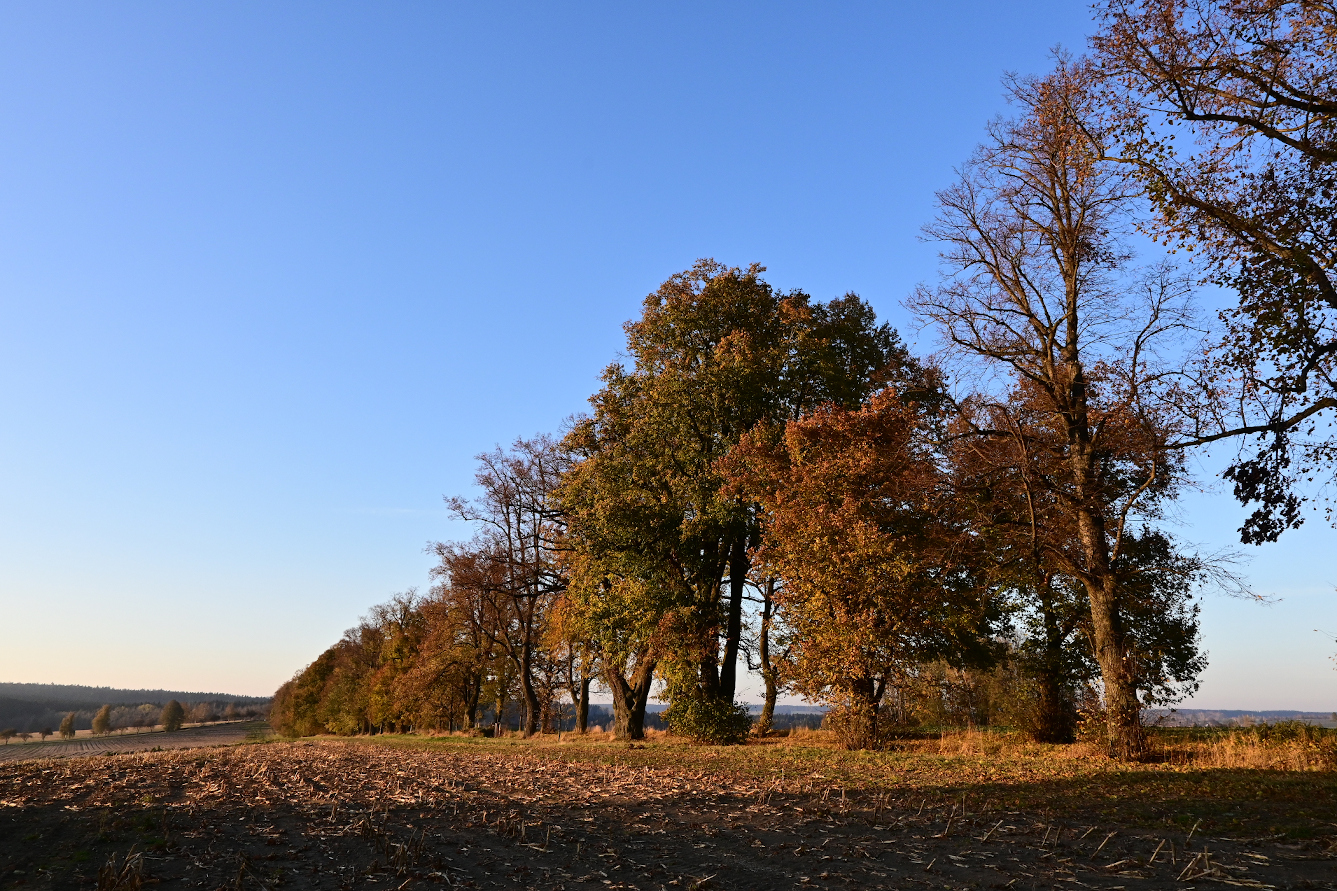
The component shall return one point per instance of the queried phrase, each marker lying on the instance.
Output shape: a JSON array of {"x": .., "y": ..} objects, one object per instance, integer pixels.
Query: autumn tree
[
  {"x": 458, "y": 654},
  {"x": 102, "y": 721},
  {"x": 716, "y": 352},
  {"x": 1073, "y": 349},
  {"x": 67, "y": 726},
  {"x": 857, "y": 523},
  {"x": 1229, "y": 117},
  {"x": 173, "y": 716},
  {"x": 514, "y": 558},
  {"x": 1002, "y": 464}
]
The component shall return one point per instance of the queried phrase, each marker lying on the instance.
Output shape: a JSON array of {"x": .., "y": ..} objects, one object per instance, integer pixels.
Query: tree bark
[
  {"x": 583, "y": 706},
  {"x": 532, "y": 706},
  {"x": 473, "y": 692},
  {"x": 1054, "y": 715},
  {"x": 763, "y": 725},
  {"x": 630, "y": 698},
  {"x": 733, "y": 635}
]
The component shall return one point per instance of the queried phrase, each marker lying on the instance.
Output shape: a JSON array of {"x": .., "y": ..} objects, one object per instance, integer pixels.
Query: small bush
[
  {"x": 709, "y": 721},
  {"x": 856, "y": 725}
]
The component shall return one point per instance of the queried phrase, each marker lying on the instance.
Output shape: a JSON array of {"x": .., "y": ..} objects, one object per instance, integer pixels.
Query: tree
[
  {"x": 514, "y": 557},
  {"x": 173, "y": 716},
  {"x": 1018, "y": 530},
  {"x": 45, "y": 732},
  {"x": 7, "y": 735},
  {"x": 857, "y": 523},
  {"x": 1038, "y": 287},
  {"x": 67, "y": 726},
  {"x": 716, "y": 351},
  {"x": 1253, "y": 189},
  {"x": 102, "y": 721}
]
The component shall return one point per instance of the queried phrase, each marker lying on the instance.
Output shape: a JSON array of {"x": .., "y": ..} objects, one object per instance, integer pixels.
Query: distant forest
[
  {"x": 979, "y": 535},
  {"x": 30, "y": 708}
]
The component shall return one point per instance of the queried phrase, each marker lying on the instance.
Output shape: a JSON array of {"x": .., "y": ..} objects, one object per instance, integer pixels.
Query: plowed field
[
  {"x": 189, "y": 738},
  {"x": 360, "y": 814}
]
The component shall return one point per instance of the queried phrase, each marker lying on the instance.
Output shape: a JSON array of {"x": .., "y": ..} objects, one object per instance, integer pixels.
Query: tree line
[
  {"x": 777, "y": 481},
  {"x": 141, "y": 717}
]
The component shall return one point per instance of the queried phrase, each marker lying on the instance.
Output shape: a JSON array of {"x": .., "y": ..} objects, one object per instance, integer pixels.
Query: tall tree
[
  {"x": 1039, "y": 287},
  {"x": 1250, "y": 89},
  {"x": 1020, "y": 529},
  {"x": 858, "y": 524},
  {"x": 716, "y": 352}
]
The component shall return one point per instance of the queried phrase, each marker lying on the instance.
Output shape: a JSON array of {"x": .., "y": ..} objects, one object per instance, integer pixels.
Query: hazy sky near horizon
[{"x": 271, "y": 274}]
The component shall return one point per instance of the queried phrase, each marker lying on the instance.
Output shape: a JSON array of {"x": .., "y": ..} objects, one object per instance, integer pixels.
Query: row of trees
[
  {"x": 777, "y": 480},
  {"x": 148, "y": 716}
]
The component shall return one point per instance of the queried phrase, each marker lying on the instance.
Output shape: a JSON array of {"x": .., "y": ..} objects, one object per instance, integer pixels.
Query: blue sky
[{"x": 270, "y": 276}]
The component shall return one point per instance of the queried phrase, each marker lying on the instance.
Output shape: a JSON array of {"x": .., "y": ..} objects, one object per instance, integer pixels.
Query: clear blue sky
[{"x": 271, "y": 274}]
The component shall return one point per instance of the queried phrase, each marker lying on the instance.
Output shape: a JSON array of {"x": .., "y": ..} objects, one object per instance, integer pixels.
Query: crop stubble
[{"x": 335, "y": 814}]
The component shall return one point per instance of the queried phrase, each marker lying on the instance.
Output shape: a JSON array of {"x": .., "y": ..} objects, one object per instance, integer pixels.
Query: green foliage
[
  {"x": 173, "y": 715},
  {"x": 709, "y": 720},
  {"x": 67, "y": 726},
  {"x": 717, "y": 352},
  {"x": 102, "y": 721}
]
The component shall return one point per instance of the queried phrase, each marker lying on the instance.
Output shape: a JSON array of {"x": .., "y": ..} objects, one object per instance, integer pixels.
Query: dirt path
[
  {"x": 342, "y": 815},
  {"x": 189, "y": 738}
]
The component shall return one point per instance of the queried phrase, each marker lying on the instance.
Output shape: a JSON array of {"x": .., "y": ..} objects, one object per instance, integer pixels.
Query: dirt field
[
  {"x": 120, "y": 743},
  {"x": 496, "y": 813}
]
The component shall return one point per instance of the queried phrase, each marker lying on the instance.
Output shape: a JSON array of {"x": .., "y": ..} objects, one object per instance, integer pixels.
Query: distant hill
[
  {"x": 31, "y": 707},
  {"x": 103, "y": 695},
  {"x": 1202, "y": 717}
]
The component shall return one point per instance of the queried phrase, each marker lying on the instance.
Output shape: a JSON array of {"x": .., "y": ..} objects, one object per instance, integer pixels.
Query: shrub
[
  {"x": 709, "y": 721},
  {"x": 857, "y": 725},
  {"x": 67, "y": 726},
  {"x": 102, "y": 721},
  {"x": 173, "y": 715}
]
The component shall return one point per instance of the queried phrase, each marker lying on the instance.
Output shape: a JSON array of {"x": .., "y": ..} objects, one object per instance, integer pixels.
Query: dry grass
[{"x": 1288, "y": 746}]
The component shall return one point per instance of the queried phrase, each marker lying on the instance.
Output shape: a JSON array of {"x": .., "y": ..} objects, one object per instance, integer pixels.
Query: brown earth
[
  {"x": 340, "y": 814},
  {"x": 221, "y": 734}
]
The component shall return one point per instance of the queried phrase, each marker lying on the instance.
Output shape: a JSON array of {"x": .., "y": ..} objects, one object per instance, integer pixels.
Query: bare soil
[
  {"x": 221, "y": 734},
  {"x": 365, "y": 814}
]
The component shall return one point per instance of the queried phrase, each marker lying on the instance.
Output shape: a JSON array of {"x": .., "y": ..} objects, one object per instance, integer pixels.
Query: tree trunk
[
  {"x": 763, "y": 725},
  {"x": 733, "y": 634},
  {"x": 472, "y": 693},
  {"x": 583, "y": 706},
  {"x": 1054, "y": 717},
  {"x": 629, "y": 699},
  {"x": 1123, "y": 712},
  {"x": 1123, "y": 719},
  {"x": 531, "y": 696},
  {"x": 497, "y": 726}
]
